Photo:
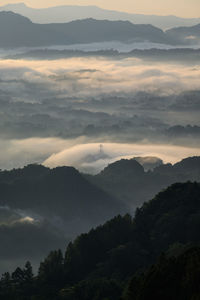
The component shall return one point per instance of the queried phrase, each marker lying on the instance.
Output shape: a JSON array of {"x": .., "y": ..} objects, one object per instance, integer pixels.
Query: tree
[{"x": 28, "y": 272}]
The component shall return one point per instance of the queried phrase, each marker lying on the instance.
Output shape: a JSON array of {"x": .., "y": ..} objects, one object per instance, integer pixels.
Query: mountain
[
  {"x": 41, "y": 209},
  {"x": 63, "y": 14},
  {"x": 98, "y": 265},
  {"x": 61, "y": 193},
  {"x": 123, "y": 245},
  {"x": 126, "y": 179},
  {"x": 187, "y": 34},
  {"x": 18, "y": 31}
]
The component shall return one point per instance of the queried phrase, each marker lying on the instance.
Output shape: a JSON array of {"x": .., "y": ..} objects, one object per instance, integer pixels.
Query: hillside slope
[
  {"x": 98, "y": 265},
  {"x": 19, "y": 31}
]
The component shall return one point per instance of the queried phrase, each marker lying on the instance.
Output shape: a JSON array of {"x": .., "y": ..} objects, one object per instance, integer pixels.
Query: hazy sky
[{"x": 185, "y": 8}]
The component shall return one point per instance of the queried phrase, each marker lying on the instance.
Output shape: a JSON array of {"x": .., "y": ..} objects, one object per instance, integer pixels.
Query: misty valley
[{"x": 99, "y": 154}]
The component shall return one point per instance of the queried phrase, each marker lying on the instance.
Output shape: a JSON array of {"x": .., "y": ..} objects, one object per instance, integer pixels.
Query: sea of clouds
[{"x": 48, "y": 106}]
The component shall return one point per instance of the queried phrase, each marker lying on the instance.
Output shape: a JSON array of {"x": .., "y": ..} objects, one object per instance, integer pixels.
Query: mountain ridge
[
  {"x": 13, "y": 33},
  {"x": 68, "y": 13},
  {"x": 18, "y": 31},
  {"x": 126, "y": 179}
]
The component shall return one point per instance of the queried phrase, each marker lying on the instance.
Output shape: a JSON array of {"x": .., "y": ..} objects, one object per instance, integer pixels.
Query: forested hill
[
  {"x": 48, "y": 207},
  {"x": 19, "y": 31},
  {"x": 42, "y": 209},
  {"x": 126, "y": 179},
  {"x": 99, "y": 264},
  {"x": 61, "y": 192},
  {"x": 172, "y": 277}
]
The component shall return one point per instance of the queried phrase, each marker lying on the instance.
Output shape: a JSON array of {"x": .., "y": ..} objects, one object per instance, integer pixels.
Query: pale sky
[{"x": 183, "y": 8}]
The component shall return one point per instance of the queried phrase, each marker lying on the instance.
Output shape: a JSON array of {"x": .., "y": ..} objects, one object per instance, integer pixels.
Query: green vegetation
[{"x": 109, "y": 262}]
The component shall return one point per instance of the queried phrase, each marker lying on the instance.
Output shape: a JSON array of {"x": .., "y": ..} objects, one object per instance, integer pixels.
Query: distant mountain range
[
  {"x": 98, "y": 197},
  {"x": 63, "y": 14},
  {"x": 18, "y": 31},
  {"x": 42, "y": 208}
]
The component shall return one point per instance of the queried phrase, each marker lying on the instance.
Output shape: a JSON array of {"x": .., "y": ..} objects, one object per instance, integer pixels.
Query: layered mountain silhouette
[
  {"x": 61, "y": 193},
  {"x": 63, "y": 14},
  {"x": 19, "y": 31},
  {"x": 187, "y": 34},
  {"x": 173, "y": 276},
  {"x": 126, "y": 179},
  {"x": 42, "y": 207}
]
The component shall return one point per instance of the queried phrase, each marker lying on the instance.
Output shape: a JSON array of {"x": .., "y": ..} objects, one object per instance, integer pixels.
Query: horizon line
[{"x": 96, "y": 6}]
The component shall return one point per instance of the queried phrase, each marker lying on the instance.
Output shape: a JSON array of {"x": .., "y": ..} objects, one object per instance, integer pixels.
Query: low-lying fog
[
  {"x": 114, "y": 45},
  {"x": 87, "y": 112},
  {"x": 133, "y": 107},
  {"x": 111, "y": 45}
]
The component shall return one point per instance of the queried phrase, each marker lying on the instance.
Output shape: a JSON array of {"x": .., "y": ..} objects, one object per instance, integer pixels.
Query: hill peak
[
  {"x": 125, "y": 167},
  {"x": 11, "y": 17}
]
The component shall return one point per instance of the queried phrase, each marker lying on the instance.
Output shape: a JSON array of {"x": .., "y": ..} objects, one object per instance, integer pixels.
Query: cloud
[
  {"x": 73, "y": 77},
  {"x": 83, "y": 153},
  {"x": 88, "y": 157},
  {"x": 26, "y": 236},
  {"x": 17, "y": 153},
  {"x": 49, "y": 106}
]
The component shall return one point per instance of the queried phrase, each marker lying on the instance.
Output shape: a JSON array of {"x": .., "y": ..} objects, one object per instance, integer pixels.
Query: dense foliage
[
  {"x": 174, "y": 277},
  {"x": 99, "y": 264}
]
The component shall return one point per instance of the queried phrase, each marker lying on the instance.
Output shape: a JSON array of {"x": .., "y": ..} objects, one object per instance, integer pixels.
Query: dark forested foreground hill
[
  {"x": 127, "y": 181},
  {"x": 172, "y": 277},
  {"x": 100, "y": 264},
  {"x": 18, "y": 31},
  {"x": 87, "y": 200}
]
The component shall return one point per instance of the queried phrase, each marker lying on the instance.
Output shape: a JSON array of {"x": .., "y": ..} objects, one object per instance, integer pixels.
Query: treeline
[
  {"x": 114, "y": 260},
  {"x": 172, "y": 277}
]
